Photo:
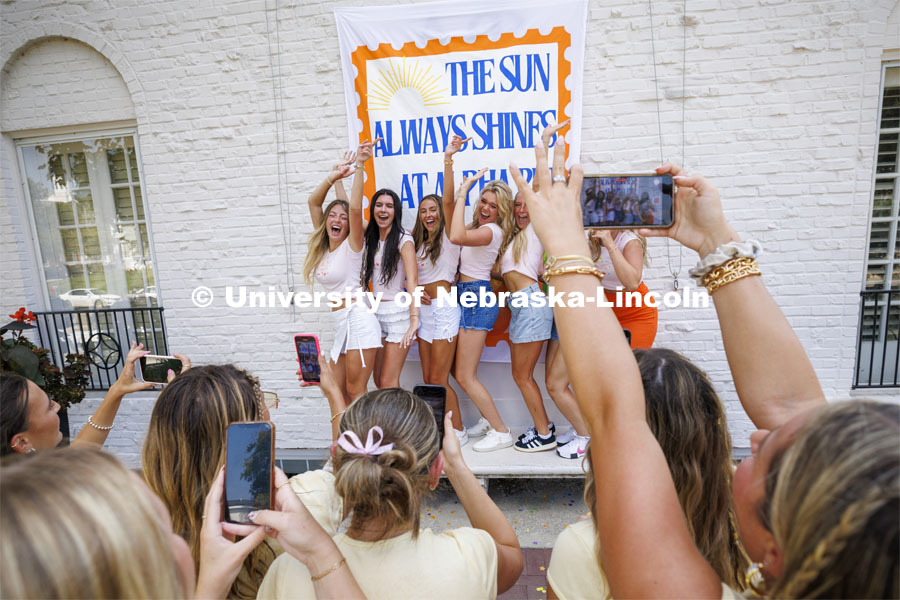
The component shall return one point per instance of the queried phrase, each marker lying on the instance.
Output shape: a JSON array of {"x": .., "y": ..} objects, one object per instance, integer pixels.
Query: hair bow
[{"x": 351, "y": 443}]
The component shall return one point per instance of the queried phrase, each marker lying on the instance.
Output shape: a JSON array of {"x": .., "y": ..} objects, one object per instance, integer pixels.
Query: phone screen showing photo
[
  {"x": 248, "y": 470},
  {"x": 435, "y": 396},
  {"x": 627, "y": 201},
  {"x": 308, "y": 355},
  {"x": 155, "y": 369}
]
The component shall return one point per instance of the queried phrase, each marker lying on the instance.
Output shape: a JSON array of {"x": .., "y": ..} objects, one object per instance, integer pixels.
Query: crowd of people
[
  {"x": 348, "y": 253},
  {"x": 813, "y": 512}
]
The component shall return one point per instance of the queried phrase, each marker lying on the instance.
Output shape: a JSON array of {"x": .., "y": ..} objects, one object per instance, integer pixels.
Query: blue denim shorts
[
  {"x": 478, "y": 317},
  {"x": 531, "y": 323},
  {"x": 554, "y": 334}
]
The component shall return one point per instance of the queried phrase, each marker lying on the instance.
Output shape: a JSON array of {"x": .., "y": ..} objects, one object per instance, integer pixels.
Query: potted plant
[{"x": 20, "y": 355}]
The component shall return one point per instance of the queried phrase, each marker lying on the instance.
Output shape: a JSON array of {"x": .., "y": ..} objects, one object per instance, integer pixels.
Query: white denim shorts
[
  {"x": 355, "y": 328},
  {"x": 394, "y": 320},
  {"x": 438, "y": 322}
]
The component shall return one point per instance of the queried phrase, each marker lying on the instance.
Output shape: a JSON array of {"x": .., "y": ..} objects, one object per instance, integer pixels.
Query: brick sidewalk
[{"x": 533, "y": 578}]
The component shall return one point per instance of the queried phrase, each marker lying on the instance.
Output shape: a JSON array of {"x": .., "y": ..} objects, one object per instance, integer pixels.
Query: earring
[
  {"x": 754, "y": 580},
  {"x": 30, "y": 451}
]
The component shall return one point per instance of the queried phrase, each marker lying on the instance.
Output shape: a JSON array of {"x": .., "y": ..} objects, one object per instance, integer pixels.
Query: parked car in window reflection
[{"x": 90, "y": 298}]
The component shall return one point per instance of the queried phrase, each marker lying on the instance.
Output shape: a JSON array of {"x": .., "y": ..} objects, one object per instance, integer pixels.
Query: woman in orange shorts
[{"x": 621, "y": 257}]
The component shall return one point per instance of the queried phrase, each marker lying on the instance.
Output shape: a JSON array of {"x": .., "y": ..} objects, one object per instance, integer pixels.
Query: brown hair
[
  {"x": 185, "y": 444},
  {"x": 13, "y": 409},
  {"x": 432, "y": 247},
  {"x": 387, "y": 488},
  {"x": 687, "y": 418},
  {"x": 833, "y": 501},
  {"x": 77, "y": 525}
]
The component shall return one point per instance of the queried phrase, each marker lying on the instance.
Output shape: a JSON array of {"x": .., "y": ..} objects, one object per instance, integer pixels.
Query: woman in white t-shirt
[
  {"x": 334, "y": 259},
  {"x": 389, "y": 265},
  {"x": 438, "y": 260},
  {"x": 385, "y": 460},
  {"x": 486, "y": 237}
]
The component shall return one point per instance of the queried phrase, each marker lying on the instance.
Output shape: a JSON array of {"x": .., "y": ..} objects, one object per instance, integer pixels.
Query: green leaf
[{"x": 23, "y": 361}]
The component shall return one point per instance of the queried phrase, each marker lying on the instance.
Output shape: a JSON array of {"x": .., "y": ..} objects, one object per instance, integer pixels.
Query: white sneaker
[
  {"x": 493, "y": 440},
  {"x": 574, "y": 449},
  {"x": 480, "y": 428},
  {"x": 462, "y": 435},
  {"x": 564, "y": 438}
]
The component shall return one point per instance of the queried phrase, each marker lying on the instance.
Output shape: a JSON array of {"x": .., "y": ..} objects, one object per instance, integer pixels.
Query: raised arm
[
  {"x": 772, "y": 374},
  {"x": 357, "y": 226},
  {"x": 339, "y": 171},
  {"x": 448, "y": 194},
  {"x": 95, "y": 432},
  {"x": 481, "y": 510},
  {"x": 646, "y": 548},
  {"x": 458, "y": 233}
]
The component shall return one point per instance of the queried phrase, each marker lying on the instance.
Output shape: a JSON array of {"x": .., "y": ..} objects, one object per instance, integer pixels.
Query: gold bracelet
[
  {"x": 554, "y": 260},
  {"x": 448, "y": 162},
  {"x": 330, "y": 570},
  {"x": 336, "y": 415},
  {"x": 592, "y": 270},
  {"x": 729, "y": 272}
]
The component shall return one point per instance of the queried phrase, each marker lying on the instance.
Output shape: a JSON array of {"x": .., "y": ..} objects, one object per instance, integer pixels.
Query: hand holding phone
[
  {"x": 155, "y": 368},
  {"x": 249, "y": 458},
  {"x": 308, "y": 356}
]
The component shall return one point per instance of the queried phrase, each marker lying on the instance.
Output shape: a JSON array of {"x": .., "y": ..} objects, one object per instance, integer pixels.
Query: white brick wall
[{"x": 780, "y": 106}]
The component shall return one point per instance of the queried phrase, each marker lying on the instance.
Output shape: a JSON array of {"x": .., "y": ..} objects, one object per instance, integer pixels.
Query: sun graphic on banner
[{"x": 407, "y": 79}]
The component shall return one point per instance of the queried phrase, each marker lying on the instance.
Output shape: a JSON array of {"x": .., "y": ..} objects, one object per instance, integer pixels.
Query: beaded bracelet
[
  {"x": 729, "y": 272},
  {"x": 100, "y": 427}
]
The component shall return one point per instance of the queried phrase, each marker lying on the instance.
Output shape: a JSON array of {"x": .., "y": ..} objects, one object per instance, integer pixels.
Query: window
[
  {"x": 879, "y": 327},
  {"x": 89, "y": 217}
]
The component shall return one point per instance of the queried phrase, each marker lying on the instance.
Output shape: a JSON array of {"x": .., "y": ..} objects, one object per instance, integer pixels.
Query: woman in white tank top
[
  {"x": 485, "y": 237},
  {"x": 389, "y": 266},
  {"x": 334, "y": 259}
]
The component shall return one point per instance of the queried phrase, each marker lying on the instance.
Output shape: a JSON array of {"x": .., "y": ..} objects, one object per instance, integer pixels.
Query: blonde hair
[
  {"x": 185, "y": 444},
  {"x": 597, "y": 247},
  {"x": 387, "y": 488},
  {"x": 519, "y": 240},
  {"x": 77, "y": 525},
  {"x": 688, "y": 420},
  {"x": 833, "y": 499},
  {"x": 505, "y": 219},
  {"x": 318, "y": 241}
]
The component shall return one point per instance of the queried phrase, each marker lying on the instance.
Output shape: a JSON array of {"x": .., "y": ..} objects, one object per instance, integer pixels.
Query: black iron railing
[
  {"x": 104, "y": 335},
  {"x": 877, "y": 350}
]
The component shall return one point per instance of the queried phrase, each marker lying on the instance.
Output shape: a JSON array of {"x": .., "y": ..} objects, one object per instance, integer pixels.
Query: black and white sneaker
[
  {"x": 534, "y": 442},
  {"x": 533, "y": 431}
]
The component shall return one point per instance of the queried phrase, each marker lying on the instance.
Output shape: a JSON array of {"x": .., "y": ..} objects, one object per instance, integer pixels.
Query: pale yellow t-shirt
[
  {"x": 456, "y": 564},
  {"x": 316, "y": 490},
  {"x": 574, "y": 572}
]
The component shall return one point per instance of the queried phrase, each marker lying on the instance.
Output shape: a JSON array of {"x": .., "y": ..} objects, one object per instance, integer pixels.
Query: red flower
[{"x": 24, "y": 317}]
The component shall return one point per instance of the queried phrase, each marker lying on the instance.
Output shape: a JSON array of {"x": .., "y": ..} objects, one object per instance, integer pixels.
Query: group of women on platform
[{"x": 346, "y": 254}]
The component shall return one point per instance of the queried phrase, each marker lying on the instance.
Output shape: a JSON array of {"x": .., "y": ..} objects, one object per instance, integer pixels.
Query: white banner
[{"x": 497, "y": 72}]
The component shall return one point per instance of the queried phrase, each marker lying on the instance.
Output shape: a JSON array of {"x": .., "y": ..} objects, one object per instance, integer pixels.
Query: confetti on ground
[
  {"x": 546, "y": 525},
  {"x": 543, "y": 568},
  {"x": 542, "y": 590},
  {"x": 535, "y": 543},
  {"x": 452, "y": 512},
  {"x": 516, "y": 522}
]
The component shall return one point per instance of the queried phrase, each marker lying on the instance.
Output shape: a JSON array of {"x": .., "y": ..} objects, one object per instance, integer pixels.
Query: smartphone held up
[
  {"x": 627, "y": 201},
  {"x": 308, "y": 357},
  {"x": 435, "y": 396},
  {"x": 249, "y": 460},
  {"x": 155, "y": 368}
]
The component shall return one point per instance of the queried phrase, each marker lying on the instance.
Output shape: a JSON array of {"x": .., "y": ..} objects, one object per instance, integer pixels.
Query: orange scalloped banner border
[{"x": 362, "y": 54}]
